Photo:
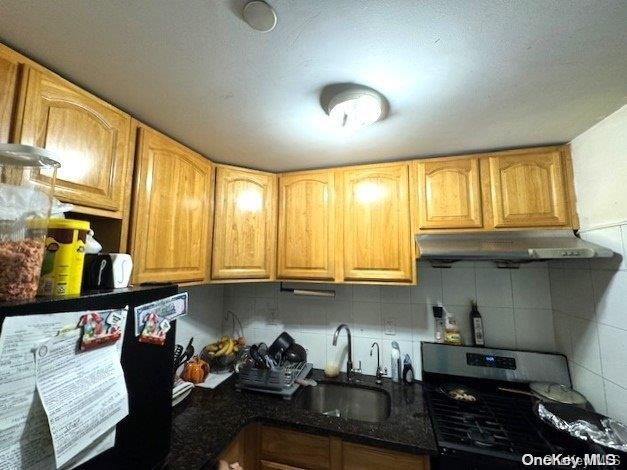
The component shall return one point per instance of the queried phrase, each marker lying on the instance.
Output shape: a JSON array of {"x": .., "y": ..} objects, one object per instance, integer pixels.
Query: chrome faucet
[
  {"x": 349, "y": 363},
  {"x": 379, "y": 373}
]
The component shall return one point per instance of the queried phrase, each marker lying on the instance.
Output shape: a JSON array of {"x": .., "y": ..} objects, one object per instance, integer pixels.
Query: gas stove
[{"x": 486, "y": 427}]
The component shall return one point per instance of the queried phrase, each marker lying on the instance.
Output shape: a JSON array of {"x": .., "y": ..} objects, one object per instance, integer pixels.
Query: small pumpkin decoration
[{"x": 195, "y": 370}]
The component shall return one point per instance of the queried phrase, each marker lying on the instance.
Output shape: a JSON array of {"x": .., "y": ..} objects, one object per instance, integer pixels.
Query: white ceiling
[{"x": 460, "y": 75}]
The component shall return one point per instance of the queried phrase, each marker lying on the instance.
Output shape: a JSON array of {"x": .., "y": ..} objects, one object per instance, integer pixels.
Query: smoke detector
[{"x": 259, "y": 16}]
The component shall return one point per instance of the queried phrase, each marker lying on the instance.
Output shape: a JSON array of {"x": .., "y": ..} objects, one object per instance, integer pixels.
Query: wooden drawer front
[
  {"x": 89, "y": 138},
  {"x": 295, "y": 448},
  {"x": 266, "y": 465},
  {"x": 359, "y": 457}
]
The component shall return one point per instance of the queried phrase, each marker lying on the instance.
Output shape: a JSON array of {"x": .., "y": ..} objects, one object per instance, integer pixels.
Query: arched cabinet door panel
[
  {"x": 244, "y": 229},
  {"x": 306, "y": 247},
  {"x": 449, "y": 194},
  {"x": 171, "y": 220},
  {"x": 528, "y": 190},
  {"x": 89, "y": 137},
  {"x": 376, "y": 230}
]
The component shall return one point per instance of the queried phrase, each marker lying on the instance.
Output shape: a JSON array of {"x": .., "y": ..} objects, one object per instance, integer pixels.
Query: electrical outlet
[{"x": 390, "y": 326}]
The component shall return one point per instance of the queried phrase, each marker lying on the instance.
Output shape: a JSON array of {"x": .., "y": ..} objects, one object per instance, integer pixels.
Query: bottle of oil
[{"x": 476, "y": 326}]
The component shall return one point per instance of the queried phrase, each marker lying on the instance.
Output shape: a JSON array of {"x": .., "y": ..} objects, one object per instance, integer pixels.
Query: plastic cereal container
[{"x": 27, "y": 177}]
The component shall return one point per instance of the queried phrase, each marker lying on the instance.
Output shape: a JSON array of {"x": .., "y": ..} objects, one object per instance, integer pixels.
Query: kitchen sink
[{"x": 347, "y": 401}]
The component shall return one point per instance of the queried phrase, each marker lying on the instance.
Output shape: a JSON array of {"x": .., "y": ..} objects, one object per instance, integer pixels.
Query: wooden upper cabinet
[
  {"x": 449, "y": 193},
  {"x": 171, "y": 220},
  {"x": 8, "y": 86},
  {"x": 89, "y": 137},
  {"x": 244, "y": 234},
  {"x": 306, "y": 247},
  {"x": 377, "y": 238},
  {"x": 527, "y": 188}
]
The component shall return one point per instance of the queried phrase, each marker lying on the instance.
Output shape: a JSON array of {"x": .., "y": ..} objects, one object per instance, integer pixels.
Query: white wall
[
  {"x": 515, "y": 305},
  {"x": 204, "y": 320},
  {"x": 590, "y": 299},
  {"x": 600, "y": 166},
  {"x": 590, "y": 306}
]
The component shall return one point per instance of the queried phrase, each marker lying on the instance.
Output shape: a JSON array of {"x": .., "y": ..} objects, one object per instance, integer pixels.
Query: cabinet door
[
  {"x": 88, "y": 137},
  {"x": 294, "y": 448},
  {"x": 360, "y": 457},
  {"x": 376, "y": 224},
  {"x": 244, "y": 234},
  {"x": 8, "y": 84},
  {"x": 171, "y": 212},
  {"x": 449, "y": 194},
  {"x": 307, "y": 225},
  {"x": 266, "y": 465},
  {"x": 528, "y": 189}
]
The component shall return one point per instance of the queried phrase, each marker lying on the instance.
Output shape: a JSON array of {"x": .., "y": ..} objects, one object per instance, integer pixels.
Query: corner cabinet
[
  {"x": 171, "y": 218},
  {"x": 306, "y": 239},
  {"x": 244, "y": 230},
  {"x": 89, "y": 137},
  {"x": 376, "y": 234},
  {"x": 527, "y": 188},
  {"x": 449, "y": 193}
]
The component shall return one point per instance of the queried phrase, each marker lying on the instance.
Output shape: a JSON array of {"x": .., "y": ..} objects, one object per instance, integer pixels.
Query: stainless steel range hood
[{"x": 511, "y": 246}]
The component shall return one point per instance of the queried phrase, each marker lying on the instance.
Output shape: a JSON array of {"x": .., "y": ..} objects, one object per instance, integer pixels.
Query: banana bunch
[{"x": 225, "y": 346}]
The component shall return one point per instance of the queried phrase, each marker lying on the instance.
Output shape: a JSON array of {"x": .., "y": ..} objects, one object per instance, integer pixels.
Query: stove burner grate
[{"x": 498, "y": 424}]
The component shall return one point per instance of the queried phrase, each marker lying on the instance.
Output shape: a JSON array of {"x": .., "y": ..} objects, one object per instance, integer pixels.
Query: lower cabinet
[
  {"x": 265, "y": 465},
  {"x": 360, "y": 457},
  {"x": 243, "y": 449},
  {"x": 270, "y": 448},
  {"x": 294, "y": 448}
]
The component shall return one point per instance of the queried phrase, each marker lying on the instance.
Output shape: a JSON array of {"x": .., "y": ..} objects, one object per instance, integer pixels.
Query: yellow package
[{"x": 62, "y": 268}]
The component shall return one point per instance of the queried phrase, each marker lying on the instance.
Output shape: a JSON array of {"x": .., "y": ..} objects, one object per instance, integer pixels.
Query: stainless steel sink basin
[{"x": 347, "y": 401}]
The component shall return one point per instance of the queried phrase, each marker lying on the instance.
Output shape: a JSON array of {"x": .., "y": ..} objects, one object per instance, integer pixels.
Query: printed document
[
  {"x": 25, "y": 441},
  {"x": 83, "y": 392}
]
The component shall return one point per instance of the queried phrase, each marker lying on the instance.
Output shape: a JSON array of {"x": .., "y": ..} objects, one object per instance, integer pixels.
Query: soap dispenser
[{"x": 395, "y": 370}]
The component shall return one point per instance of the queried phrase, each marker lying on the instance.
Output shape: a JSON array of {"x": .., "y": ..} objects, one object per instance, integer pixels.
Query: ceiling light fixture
[
  {"x": 259, "y": 16},
  {"x": 356, "y": 106}
]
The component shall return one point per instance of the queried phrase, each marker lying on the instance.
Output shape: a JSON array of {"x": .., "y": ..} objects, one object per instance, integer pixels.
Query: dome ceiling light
[{"x": 356, "y": 106}]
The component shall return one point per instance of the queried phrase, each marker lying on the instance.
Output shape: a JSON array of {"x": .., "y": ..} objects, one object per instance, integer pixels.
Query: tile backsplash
[
  {"x": 515, "y": 305},
  {"x": 204, "y": 322},
  {"x": 589, "y": 303}
]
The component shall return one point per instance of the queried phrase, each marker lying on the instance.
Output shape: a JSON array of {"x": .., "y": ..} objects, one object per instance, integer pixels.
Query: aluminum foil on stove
[{"x": 610, "y": 433}]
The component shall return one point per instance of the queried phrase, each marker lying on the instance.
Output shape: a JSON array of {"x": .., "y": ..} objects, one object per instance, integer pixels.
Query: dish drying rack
[{"x": 276, "y": 380}]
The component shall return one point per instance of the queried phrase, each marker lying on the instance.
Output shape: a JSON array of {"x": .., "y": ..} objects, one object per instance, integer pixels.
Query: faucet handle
[{"x": 357, "y": 369}]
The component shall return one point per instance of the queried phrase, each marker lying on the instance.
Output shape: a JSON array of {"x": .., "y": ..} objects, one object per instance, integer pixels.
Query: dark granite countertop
[{"x": 208, "y": 420}]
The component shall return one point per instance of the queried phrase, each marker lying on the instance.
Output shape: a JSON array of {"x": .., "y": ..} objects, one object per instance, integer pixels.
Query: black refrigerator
[{"x": 142, "y": 438}]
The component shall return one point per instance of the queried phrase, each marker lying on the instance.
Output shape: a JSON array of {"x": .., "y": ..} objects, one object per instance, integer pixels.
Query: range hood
[{"x": 510, "y": 246}]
